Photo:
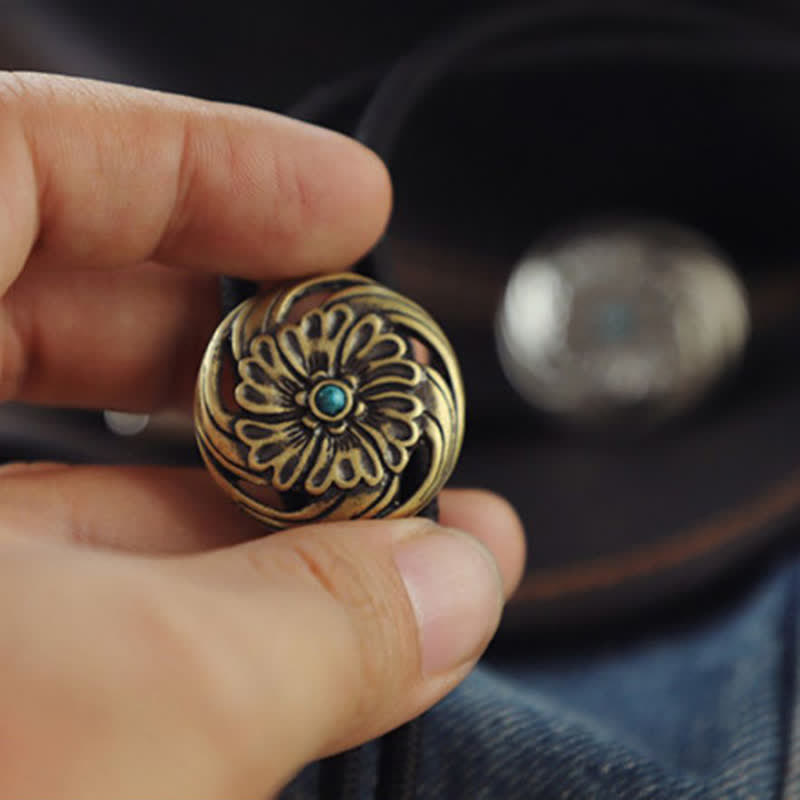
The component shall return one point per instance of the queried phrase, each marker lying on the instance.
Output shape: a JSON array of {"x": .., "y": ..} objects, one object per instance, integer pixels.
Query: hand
[{"x": 154, "y": 644}]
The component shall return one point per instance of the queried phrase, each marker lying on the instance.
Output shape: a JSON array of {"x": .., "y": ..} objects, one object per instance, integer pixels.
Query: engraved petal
[
  {"x": 400, "y": 374},
  {"x": 367, "y": 341},
  {"x": 312, "y": 326},
  {"x": 336, "y": 322},
  {"x": 369, "y": 462},
  {"x": 320, "y": 477},
  {"x": 382, "y": 348},
  {"x": 394, "y": 456},
  {"x": 311, "y": 345},
  {"x": 266, "y": 366},
  {"x": 293, "y": 346},
  {"x": 395, "y": 414},
  {"x": 257, "y": 393},
  {"x": 292, "y": 463},
  {"x": 408, "y": 405},
  {"x": 399, "y": 430},
  {"x": 323, "y": 331},
  {"x": 251, "y": 431},
  {"x": 344, "y": 470},
  {"x": 345, "y": 462},
  {"x": 283, "y": 447}
]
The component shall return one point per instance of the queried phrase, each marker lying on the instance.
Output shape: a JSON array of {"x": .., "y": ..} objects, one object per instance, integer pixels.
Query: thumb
[{"x": 336, "y": 633}]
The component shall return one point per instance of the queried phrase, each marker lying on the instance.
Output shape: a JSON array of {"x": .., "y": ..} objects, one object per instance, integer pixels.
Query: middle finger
[{"x": 128, "y": 339}]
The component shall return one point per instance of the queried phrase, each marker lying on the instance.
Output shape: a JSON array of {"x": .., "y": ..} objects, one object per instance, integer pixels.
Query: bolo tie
[
  {"x": 338, "y": 398},
  {"x": 332, "y": 398}
]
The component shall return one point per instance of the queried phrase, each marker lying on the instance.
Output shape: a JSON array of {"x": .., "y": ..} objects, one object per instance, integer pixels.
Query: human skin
[{"x": 155, "y": 643}]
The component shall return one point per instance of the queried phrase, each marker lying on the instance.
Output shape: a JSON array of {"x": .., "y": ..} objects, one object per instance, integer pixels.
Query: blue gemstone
[
  {"x": 617, "y": 321},
  {"x": 330, "y": 399}
]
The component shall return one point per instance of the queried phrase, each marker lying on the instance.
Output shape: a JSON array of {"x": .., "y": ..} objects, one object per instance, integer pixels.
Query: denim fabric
[{"x": 706, "y": 712}]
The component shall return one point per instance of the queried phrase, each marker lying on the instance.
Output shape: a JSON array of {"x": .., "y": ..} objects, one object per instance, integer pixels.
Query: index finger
[{"x": 97, "y": 175}]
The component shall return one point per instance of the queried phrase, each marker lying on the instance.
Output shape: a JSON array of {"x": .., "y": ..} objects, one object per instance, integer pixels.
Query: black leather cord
[
  {"x": 399, "y": 762},
  {"x": 568, "y": 31},
  {"x": 233, "y": 292},
  {"x": 398, "y": 758},
  {"x": 413, "y": 76},
  {"x": 339, "y": 775}
]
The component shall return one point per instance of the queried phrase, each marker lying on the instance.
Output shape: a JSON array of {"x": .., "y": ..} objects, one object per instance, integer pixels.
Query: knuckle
[
  {"x": 336, "y": 571},
  {"x": 293, "y": 200},
  {"x": 187, "y": 173},
  {"x": 369, "y": 592}
]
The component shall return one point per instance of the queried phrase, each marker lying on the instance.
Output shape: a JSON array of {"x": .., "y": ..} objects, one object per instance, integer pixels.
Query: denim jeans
[{"x": 707, "y": 711}]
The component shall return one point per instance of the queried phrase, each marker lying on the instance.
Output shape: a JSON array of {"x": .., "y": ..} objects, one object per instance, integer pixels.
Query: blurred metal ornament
[
  {"x": 311, "y": 404},
  {"x": 621, "y": 322},
  {"x": 124, "y": 424}
]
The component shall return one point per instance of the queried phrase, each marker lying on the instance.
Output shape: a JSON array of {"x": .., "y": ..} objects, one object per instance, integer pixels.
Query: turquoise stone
[
  {"x": 617, "y": 321},
  {"x": 330, "y": 399}
]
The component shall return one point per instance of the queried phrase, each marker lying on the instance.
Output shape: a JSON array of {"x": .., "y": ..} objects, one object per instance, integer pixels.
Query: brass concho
[{"x": 310, "y": 404}]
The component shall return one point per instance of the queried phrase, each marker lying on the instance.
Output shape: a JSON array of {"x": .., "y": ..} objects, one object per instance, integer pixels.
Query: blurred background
[{"x": 610, "y": 111}]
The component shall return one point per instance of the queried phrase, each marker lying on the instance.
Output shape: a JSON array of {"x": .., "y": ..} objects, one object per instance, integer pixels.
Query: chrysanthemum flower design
[
  {"x": 330, "y": 398},
  {"x": 329, "y": 401}
]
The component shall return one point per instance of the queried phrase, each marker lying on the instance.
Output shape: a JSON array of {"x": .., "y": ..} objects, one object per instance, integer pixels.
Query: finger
[
  {"x": 356, "y": 627},
  {"x": 167, "y": 510},
  {"x": 96, "y": 175},
  {"x": 248, "y": 662},
  {"x": 494, "y": 521},
  {"x": 19, "y": 468},
  {"x": 128, "y": 339},
  {"x": 140, "y": 509}
]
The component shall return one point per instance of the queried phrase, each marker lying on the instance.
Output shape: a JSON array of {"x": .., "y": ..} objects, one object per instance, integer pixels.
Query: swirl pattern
[{"x": 311, "y": 404}]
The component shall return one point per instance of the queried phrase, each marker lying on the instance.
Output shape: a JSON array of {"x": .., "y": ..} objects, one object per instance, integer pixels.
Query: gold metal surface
[{"x": 311, "y": 405}]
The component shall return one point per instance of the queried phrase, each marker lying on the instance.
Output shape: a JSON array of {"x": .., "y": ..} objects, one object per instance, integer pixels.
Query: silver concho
[{"x": 621, "y": 322}]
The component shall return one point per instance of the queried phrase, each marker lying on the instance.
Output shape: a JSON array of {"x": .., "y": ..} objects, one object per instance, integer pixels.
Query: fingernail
[{"x": 456, "y": 592}]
